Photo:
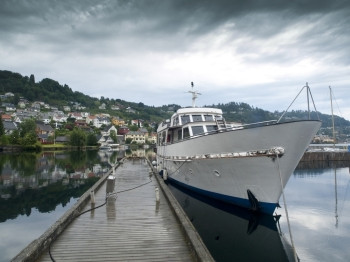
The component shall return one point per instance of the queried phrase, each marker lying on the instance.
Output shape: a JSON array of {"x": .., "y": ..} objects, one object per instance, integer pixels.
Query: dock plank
[{"x": 132, "y": 227}]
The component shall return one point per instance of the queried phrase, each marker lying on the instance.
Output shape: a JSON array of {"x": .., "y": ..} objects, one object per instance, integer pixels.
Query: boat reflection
[{"x": 232, "y": 233}]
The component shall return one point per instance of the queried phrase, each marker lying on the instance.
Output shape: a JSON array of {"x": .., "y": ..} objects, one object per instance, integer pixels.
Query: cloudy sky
[{"x": 253, "y": 51}]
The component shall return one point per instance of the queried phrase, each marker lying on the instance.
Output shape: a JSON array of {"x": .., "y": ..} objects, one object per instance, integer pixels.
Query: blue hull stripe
[{"x": 264, "y": 207}]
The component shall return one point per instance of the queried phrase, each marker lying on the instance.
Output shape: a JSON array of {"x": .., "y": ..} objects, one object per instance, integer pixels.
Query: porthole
[{"x": 216, "y": 173}]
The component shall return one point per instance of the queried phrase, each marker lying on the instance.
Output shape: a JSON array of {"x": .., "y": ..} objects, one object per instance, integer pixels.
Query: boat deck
[{"x": 134, "y": 226}]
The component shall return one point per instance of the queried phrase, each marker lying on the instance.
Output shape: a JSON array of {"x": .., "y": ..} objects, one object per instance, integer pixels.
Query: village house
[
  {"x": 6, "y": 117},
  {"x": 21, "y": 104},
  {"x": 123, "y": 130},
  {"x": 108, "y": 129},
  {"x": 137, "y": 122},
  {"x": 136, "y": 136},
  {"x": 130, "y": 110},
  {"x": 42, "y": 129},
  {"x": 102, "y": 106},
  {"x": 9, "y": 127},
  {"x": 104, "y": 140},
  {"x": 117, "y": 121},
  {"x": 152, "y": 138},
  {"x": 114, "y": 107},
  {"x": 99, "y": 121}
]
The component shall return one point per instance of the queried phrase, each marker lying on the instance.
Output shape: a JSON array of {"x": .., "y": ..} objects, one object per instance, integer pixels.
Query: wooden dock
[{"x": 134, "y": 226}]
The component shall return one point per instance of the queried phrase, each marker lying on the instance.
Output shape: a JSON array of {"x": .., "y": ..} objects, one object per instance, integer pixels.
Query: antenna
[{"x": 194, "y": 95}]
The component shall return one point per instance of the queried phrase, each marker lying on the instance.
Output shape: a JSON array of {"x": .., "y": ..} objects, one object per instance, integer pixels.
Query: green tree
[
  {"x": 133, "y": 128},
  {"x": 4, "y": 140},
  {"x": 32, "y": 79},
  {"x": 91, "y": 139},
  {"x": 113, "y": 135},
  {"x": 27, "y": 132},
  {"x": 14, "y": 137},
  {"x": 27, "y": 126},
  {"x": 2, "y": 129},
  {"x": 29, "y": 139},
  {"x": 78, "y": 137}
]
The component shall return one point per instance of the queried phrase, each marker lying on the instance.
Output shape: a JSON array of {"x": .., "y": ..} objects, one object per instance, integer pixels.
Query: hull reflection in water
[{"x": 232, "y": 233}]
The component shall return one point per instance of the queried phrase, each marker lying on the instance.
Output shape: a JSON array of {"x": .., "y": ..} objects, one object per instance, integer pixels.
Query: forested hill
[
  {"x": 244, "y": 113},
  {"x": 47, "y": 90},
  {"x": 55, "y": 94}
]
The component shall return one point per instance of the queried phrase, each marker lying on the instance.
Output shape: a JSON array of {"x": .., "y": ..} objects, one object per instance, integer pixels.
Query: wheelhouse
[{"x": 189, "y": 123}]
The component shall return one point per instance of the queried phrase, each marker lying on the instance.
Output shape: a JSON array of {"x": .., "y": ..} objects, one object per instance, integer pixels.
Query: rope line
[
  {"x": 286, "y": 210},
  {"x": 106, "y": 198}
]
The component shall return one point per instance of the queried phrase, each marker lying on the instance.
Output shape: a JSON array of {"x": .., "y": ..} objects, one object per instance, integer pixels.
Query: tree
[
  {"x": 14, "y": 138},
  {"x": 32, "y": 79},
  {"x": 113, "y": 135},
  {"x": 91, "y": 139},
  {"x": 29, "y": 139},
  {"x": 2, "y": 129},
  {"x": 27, "y": 132},
  {"x": 133, "y": 128},
  {"x": 78, "y": 137},
  {"x": 27, "y": 126}
]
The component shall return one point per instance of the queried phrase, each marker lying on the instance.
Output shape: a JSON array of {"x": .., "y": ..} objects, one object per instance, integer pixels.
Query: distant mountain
[{"x": 55, "y": 94}]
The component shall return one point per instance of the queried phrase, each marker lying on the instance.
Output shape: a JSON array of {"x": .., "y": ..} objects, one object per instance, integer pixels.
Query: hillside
[{"x": 55, "y": 94}]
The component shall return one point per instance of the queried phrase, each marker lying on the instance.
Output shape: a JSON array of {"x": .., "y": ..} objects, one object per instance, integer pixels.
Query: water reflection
[
  {"x": 45, "y": 180},
  {"x": 319, "y": 207},
  {"x": 37, "y": 189},
  {"x": 231, "y": 233}
]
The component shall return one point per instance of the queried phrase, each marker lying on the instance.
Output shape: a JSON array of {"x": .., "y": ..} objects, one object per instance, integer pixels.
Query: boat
[
  {"x": 242, "y": 164},
  {"x": 237, "y": 234}
]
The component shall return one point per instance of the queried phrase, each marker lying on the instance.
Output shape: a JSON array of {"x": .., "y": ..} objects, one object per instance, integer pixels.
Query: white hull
[{"x": 225, "y": 165}]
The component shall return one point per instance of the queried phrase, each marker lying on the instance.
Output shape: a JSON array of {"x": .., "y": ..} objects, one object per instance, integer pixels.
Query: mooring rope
[
  {"x": 106, "y": 198},
  {"x": 286, "y": 210}
]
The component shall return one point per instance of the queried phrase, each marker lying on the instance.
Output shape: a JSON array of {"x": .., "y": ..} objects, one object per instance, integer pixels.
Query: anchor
[{"x": 254, "y": 203}]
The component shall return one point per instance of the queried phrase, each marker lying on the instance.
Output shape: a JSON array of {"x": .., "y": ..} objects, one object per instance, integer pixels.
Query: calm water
[
  {"x": 318, "y": 204},
  {"x": 35, "y": 190}
]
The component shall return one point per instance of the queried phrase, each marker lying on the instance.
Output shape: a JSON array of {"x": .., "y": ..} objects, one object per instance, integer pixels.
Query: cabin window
[
  {"x": 218, "y": 117},
  {"x": 176, "y": 121},
  {"x": 186, "y": 132},
  {"x": 179, "y": 134},
  {"x": 185, "y": 119},
  {"x": 197, "y": 118},
  {"x": 197, "y": 130},
  {"x": 208, "y": 118},
  {"x": 211, "y": 128},
  {"x": 163, "y": 136}
]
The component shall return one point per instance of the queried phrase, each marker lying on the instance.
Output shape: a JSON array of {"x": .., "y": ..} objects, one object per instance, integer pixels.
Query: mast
[
  {"x": 194, "y": 95},
  {"x": 308, "y": 99},
  {"x": 330, "y": 93}
]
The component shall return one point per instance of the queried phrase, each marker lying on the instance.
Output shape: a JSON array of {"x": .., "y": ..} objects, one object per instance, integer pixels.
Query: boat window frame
[
  {"x": 215, "y": 128},
  {"x": 186, "y": 132},
  {"x": 179, "y": 134},
  {"x": 199, "y": 118},
  {"x": 195, "y": 132},
  {"x": 208, "y": 120},
  {"x": 183, "y": 118}
]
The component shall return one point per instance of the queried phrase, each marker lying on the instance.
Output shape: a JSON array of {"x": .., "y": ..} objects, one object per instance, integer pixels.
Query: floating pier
[
  {"x": 134, "y": 220},
  {"x": 325, "y": 156}
]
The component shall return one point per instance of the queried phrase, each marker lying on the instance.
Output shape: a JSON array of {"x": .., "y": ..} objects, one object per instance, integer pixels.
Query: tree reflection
[
  {"x": 44, "y": 180},
  {"x": 44, "y": 199}
]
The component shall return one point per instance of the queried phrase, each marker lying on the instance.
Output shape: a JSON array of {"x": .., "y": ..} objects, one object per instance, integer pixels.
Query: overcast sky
[{"x": 258, "y": 52}]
